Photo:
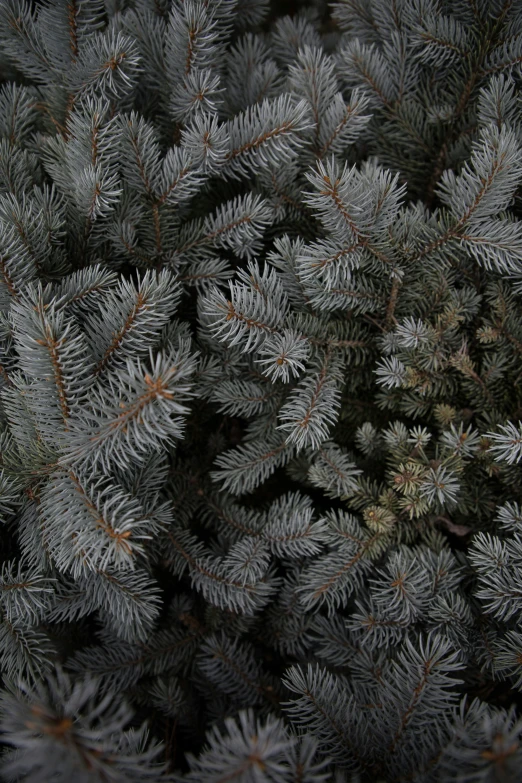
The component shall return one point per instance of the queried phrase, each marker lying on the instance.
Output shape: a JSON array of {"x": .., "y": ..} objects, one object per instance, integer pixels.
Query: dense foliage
[{"x": 261, "y": 399}]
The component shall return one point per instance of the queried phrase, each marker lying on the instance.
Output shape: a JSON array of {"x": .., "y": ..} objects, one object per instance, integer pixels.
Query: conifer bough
[{"x": 260, "y": 404}]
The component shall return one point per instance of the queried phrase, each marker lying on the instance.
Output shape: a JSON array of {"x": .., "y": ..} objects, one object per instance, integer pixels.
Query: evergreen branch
[
  {"x": 324, "y": 707},
  {"x": 146, "y": 412},
  {"x": 212, "y": 577},
  {"x": 242, "y": 469},
  {"x": 266, "y": 135},
  {"x": 312, "y": 407}
]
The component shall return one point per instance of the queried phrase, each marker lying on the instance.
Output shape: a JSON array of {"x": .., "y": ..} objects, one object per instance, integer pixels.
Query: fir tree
[{"x": 260, "y": 407}]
